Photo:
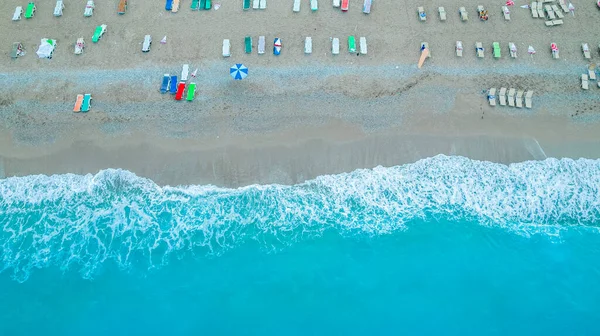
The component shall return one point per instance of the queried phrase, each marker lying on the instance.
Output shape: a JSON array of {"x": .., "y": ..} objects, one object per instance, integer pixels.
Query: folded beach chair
[
  {"x": 169, "y": 5},
  {"x": 422, "y": 14},
  {"x": 496, "y": 49},
  {"x": 89, "y": 9},
  {"x": 226, "y": 48},
  {"x": 528, "y": 96},
  {"x": 366, "y": 6},
  {"x": 173, "y": 85},
  {"x": 519, "y": 101},
  {"x": 344, "y": 6},
  {"x": 314, "y": 5},
  {"x": 506, "y": 13},
  {"x": 351, "y": 44},
  {"x": 492, "y": 96},
  {"x": 479, "y": 49},
  {"x": 511, "y": 97},
  {"x": 18, "y": 13},
  {"x": 459, "y": 48},
  {"x": 191, "y": 92},
  {"x": 586, "y": 51},
  {"x": 175, "y": 8},
  {"x": 425, "y": 45},
  {"x": 246, "y": 5},
  {"x": 464, "y": 16},
  {"x": 195, "y": 5},
  {"x": 122, "y": 7},
  {"x": 263, "y": 4},
  {"x": 185, "y": 71},
  {"x": 540, "y": 10},
  {"x": 558, "y": 12},
  {"x": 555, "y": 51},
  {"x": 30, "y": 11},
  {"x": 164, "y": 86},
  {"x": 296, "y": 7},
  {"x": 363, "y": 45},
  {"x": 147, "y": 43},
  {"x": 78, "y": 102},
  {"x": 261, "y": 45},
  {"x": 308, "y": 45},
  {"x": 180, "y": 89},
  {"x": 248, "y": 44},
  {"x": 79, "y": 46},
  {"x": 17, "y": 50},
  {"x": 98, "y": 33},
  {"x": 584, "y": 82},
  {"x": 86, "y": 105},
  {"x": 512, "y": 48},
  {"x": 335, "y": 46},
  {"x": 255, "y": 4},
  {"x": 442, "y": 12},
  {"x": 58, "y": 9},
  {"x": 502, "y": 96},
  {"x": 549, "y": 12},
  {"x": 336, "y": 3}
]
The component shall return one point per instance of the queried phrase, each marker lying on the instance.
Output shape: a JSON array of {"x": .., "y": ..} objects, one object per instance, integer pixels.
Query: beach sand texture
[{"x": 296, "y": 116}]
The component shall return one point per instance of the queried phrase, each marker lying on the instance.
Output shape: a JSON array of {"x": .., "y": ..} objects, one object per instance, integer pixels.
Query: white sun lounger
[
  {"x": 534, "y": 12},
  {"x": 185, "y": 71},
  {"x": 492, "y": 96},
  {"x": 506, "y": 13},
  {"x": 586, "y": 51},
  {"x": 528, "y": 97},
  {"x": 512, "y": 48},
  {"x": 58, "y": 10},
  {"x": 502, "y": 96},
  {"x": 79, "y": 46},
  {"x": 367, "y": 6},
  {"x": 261, "y": 45},
  {"x": 511, "y": 97},
  {"x": 557, "y": 12},
  {"x": 363, "y": 45},
  {"x": 335, "y": 46},
  {"x": 226, "y": 48},
  {"x": 592, "y": 73},
  {"x": 549, "y": 12},
  {"x": 175, "y": 8},
  {"x": 308, "y": 45},
  {"x": 263, "y": 4},
  {"x": 255, "y": 4},
  {"x": 479, "y": 49},
  {"x": 147, "y": 43},
  {"x": 554, "y": 23},
  {"x": 296, "y": 7},
  {"x": 564, "y": 6},
  {"x": 442, "y": 12},
  {"x": 459, "y": 48},
  {"x": 540, "y": 10},
  {"x": 314, "y": 5},
  {"x": 336, "y": 3},
  {"x": 89, "y": 9},
  {"x": 18, "y": 13},
  {"x": 519, "y": 101},
  {"x": 464, "y": 15},
  {"x": 584, "y": 82},
  {"x": 422, "y": 14}
]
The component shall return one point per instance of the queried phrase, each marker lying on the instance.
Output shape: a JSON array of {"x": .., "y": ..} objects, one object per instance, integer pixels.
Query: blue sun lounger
[
  {"x": 173, "y": 86},
  {"x": 169, "y": 5},
  {"x": 165, "y": 84}
]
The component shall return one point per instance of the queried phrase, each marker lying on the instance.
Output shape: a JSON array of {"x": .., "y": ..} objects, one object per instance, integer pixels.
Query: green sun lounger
[
  {"x": 97, "y": 34},
  {"x": 194, "y": 5},
  {"x": 248, "y": 43},
  {"x": 30, "y": 11},
  {"x": 207, "y": 5},
  {"x": 351, "y": 44},
  {"x": 246, "y": 4},
  {"x": 87, "y": 102},
  {"x": 496, "y": 46},
  {"x": 191, "y": 92}
]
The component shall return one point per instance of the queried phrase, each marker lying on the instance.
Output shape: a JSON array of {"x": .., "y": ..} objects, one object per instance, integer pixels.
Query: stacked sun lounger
[
  {"x": 366, "y": 6},
  {"x": 502, "y": 96},
  {"x": 257, "y": 4},
  {"x": 442, "y": 12},
  {"x": 363, "y": 45},
  {"x": 58, "y": 9},
  {"x": 335, "y": 46},
  {"x": 226, "y": 48},
  {"x": 308, "y": 45},
  {"x": 296, "y": 7},
  {"x": 584, "y": 82},
  {"x": 261, "y": 45},
  {"x": 464, "y": 15}
]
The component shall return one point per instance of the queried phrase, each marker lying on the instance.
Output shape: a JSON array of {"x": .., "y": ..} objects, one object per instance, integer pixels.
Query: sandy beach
[{"x": 296, "y": 116}]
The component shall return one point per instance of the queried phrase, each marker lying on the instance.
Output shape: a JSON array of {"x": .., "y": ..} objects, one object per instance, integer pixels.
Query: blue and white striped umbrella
[{"x": 238, "y": 71}]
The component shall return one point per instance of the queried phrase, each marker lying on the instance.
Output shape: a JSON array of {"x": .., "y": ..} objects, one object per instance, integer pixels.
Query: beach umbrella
[{"x": 238, "y": 71}]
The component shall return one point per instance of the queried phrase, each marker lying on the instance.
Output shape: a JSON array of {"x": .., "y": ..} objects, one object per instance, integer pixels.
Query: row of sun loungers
[
  {"x": 28, "y": 13},
  {"x": 344, "y": 4},
  {"x": 202, "y": 4},
  {"x": 464, "y": 15},
  {"x": 83, "y": 103},
  {"x": 60, "y": 6},
  {"x": 178, "y": 89},
  {"x": 307, "y": 45},
  {"x": 514, "y": 97}
]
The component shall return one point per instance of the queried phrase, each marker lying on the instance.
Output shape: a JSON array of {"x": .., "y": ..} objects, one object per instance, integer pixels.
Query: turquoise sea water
[{"x": 444, "y": 246}]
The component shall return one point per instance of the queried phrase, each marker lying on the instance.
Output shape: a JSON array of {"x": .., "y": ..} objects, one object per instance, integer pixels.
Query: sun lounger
[
  {"x": 195, "y": 5},
  {"x": 492, "y": 96},
  {"x": 336, "y": 3},
  {"x": 263, "y": 4},
  {"x": 519, "y": 101},
  {"x": 425, "y": 45},
  {"x": 185, "y": 71},
  {"x": 98, "y": 33},
  {"x": 363, "y": 45},
  {"x": 255, "y": 4},
  {"x": 79, "y": 46},
  {"x": 563, "y": 6},
  {"x": 335, "y": 46},
  {"x": 584, "y": 82},
  {"x": 147, "y": 43},
  {"x": 528, "y": 96},
  {"x": 554, "y": 23},
  {"x": 351, "y": 44},
  {"x": 122, "y": 7},
  {"x": 366, "y": 6},
  {"x": 344, "y": 6},
  {"x": 46, "y": 48},
  {"x": 442, "y": 12},
  {"x": 479, "y": 49},
  {"x": 226, "y": 48},
  {"x": 586, "y": 51},
  {"x": 180, "y": 89},
  {"x": 248, "y": 44},
  {"x": 555, "y": 51},
  {"x": 482, "y": 13},
  {"x": 173, "y": 85},
  {"x": 175, "y": 8},
  {"x": 296, "y": 7},
  {"x": 164, "y": 86},
  {"x": 314, "y": 5},
  {"x": 506, "y": 13},
  {"x": 78, "y": 102},
  {"x": 422, "y": 14},
  {"x": 511, "y": 97},
  {"x": 496, "y": 49},
  {"x": 191, "y": 92},
  {"x": 534, "y": 12},
  {"x": 512, "y": 48},
  {"x": 30, "y": 10},
  {"x": 18, "y": 13},
  {"x": 549, "y": 12},
  {"x": 58, "y": 9},
  {"x": 540, "y": 10},
  {"x": 502, "y": 96},
  {"x": 459, "y": 48},
  {"x": 86, "y": 105},
  {"x": 261, "y": 45},
  {"x": 464, "y": 15},
  {"x": 557, "y": 12},
  {"x": 592, "y": 72},
  {"x": 169, "y": 5},
  {"x": 308, "y": 45},
  {"x": 17, "y": 50},
  {"x": 202, "y": 5},
  {"x": 246, "y": 5},
  {"x": 208, "y": 4},
  {"x": 89, "y": 9}
]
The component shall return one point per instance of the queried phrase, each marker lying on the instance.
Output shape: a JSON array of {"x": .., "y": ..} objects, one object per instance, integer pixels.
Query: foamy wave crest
[{"x": 80, "y": 222}]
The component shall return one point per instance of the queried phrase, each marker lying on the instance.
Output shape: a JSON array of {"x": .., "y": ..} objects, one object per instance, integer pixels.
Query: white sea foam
[{"x": 79, "y": 222}]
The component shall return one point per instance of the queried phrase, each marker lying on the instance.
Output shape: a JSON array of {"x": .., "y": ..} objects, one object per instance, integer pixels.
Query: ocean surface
[{"x": 444, "y": 246}]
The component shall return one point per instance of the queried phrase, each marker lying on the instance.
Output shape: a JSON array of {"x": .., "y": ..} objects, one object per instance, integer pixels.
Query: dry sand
[{"x": 296, "y": 116}]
